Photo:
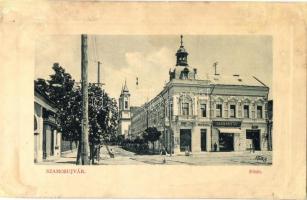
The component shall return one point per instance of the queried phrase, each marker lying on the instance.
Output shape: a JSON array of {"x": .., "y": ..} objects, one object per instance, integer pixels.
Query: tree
[
  {"x": 151, "y": 134},
  {"x": 67, "y": 96}
]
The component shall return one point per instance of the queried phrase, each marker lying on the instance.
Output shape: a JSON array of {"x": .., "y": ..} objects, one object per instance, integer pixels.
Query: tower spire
[
  {"x": 125, "y": 88},
  {"x": 181, "y": 42}
]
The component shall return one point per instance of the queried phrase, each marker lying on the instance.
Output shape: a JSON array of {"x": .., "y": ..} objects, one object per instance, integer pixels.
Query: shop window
[
  {"x": 246, "y": 111},
  {"x": 218, "y": 111},
  {"x": 232, "y": 111},
  {"x": 203, "y": 110},
  {"x": 259, "y": 112},
  {"x": 185, "y": 108}
]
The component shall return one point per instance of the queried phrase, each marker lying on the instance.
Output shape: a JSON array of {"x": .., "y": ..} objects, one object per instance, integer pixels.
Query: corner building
[{"x": 219, "y": 113}]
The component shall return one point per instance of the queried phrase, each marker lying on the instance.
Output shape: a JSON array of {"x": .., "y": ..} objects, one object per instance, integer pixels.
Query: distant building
[
  {"x": 219, "y": 113},
  {"x": 47, "y": 138},
  {"x": 124, "y": 112}
]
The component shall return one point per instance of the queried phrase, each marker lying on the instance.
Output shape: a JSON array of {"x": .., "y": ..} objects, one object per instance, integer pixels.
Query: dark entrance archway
[
  {"x": 185, "y": 140},
  {"x": 254, "y": 135},
  {"x": 226, "y": 141},
  {"x": 203, "y": 139}
]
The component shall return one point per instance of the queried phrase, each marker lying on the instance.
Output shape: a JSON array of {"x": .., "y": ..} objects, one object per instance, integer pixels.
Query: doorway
[
  {"x": 48, "y": 141},
  {"x": 203, "y": 139},
  {"x": 226, "y": 141},
  {"x": 185, "y": 140},
  {"x": 254, "y": 135}
]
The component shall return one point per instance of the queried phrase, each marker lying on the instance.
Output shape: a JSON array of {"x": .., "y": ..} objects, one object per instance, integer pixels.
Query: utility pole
[
  {"x": 84, "y": 73},
  {"x": 98, "y": 81}
]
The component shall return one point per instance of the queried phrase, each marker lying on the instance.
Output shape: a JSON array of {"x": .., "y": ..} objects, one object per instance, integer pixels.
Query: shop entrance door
[
  {"x": 185, "y": 140},
  {"x": 226, "y": 141},
  {"x": 203, "y": 139},
  {"x": 254, "y": 135}
]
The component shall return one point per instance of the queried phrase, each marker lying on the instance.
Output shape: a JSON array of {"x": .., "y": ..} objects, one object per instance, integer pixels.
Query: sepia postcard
[{"x": 153, "y": 100}]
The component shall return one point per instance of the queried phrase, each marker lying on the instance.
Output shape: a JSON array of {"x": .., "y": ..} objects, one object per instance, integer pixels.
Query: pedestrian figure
[
  {"x": 215, "y": 146},
  {"x": 111, "y": 154}
]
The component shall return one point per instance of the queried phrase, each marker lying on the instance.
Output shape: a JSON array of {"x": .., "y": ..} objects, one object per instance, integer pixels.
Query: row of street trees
[
  {"x": 67, "y": 96},
  {"x": 140, "y": 143}
]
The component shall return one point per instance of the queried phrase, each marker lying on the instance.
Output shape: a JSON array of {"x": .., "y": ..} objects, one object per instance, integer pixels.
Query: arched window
[{"x": 186, "y": 105}]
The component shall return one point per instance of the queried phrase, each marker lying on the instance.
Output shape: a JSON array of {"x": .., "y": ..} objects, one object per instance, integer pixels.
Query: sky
[{"x": 149, "y": 57}]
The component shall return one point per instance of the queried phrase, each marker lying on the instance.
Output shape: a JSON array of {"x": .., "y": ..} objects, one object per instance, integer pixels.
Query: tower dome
[{"x": 182, "y": 55}]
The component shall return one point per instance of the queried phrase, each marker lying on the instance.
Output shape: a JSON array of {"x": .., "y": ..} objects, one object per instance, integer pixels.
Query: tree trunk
[
  {"x": 153, "y": 147},
  {"x": 78, "y": 161},
  {"x": 70, "y": 145},
  {"x": 92, "y": 154}
]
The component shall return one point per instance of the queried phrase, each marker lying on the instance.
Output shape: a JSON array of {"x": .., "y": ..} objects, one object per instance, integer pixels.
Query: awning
[{"x": 230, "y": 130}]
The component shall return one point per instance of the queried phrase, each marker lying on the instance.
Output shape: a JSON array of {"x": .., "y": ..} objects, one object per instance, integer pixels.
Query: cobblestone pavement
[
  {"x": 123, "y": 157},
  {"x": 206, "y": 158}
]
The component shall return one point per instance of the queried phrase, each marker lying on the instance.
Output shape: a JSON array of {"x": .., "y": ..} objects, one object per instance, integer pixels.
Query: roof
[
  {"x": 236, "y": 80},
  {"x": 44, "y": 101},
  {"x": 125, "y": 88},
  {"x": 182, "y": 50}
]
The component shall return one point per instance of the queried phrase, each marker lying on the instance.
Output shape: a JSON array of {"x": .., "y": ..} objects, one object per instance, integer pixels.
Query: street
[{"x": 123, "y": 157}]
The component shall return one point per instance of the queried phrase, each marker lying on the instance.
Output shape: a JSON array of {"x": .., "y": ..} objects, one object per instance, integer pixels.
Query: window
[
  {"x": 232, "y": 111},
  {"x": 259, "y": 112},
  {"x": 218, "y": 110},
  {"x": 185, "y": 108},
  {"x": 246, "y": 111},
  {"x": 126, "y": 104},
  {"x": 203, "y": 110}
]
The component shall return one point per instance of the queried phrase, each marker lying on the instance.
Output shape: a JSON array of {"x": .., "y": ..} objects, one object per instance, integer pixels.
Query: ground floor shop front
[{"x": 218, "y": 136}]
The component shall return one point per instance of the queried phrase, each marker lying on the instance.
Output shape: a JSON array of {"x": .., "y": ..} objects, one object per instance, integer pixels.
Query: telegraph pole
[
  {"x": 84, "y": 72},
  {"x": 98, "y": 73}
]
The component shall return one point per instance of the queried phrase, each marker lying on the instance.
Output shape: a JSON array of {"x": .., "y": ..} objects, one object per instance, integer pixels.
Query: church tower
[{"x": 124, "y": 112}]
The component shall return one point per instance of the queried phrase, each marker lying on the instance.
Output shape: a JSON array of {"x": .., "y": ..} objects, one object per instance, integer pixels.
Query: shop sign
[{"x": 227, "y": 123}]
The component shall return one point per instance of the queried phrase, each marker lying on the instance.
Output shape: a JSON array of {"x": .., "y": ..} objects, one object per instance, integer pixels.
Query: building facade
[
  {"x": 47, "y": 138},
  {"x": 219, "y": 113},
  {"x": 124, "y": 112}
]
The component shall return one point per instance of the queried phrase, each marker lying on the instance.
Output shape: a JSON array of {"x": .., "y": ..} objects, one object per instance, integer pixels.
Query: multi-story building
[
  {"x": 47, "y": 138},
  {"x": 220, "y": 113},
  {"x": 124, "y": 112}
]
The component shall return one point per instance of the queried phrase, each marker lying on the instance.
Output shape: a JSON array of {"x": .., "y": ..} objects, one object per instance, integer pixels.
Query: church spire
[
  {"x": 182, "y": 54},
  {"x": 125, "y": 89}
]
